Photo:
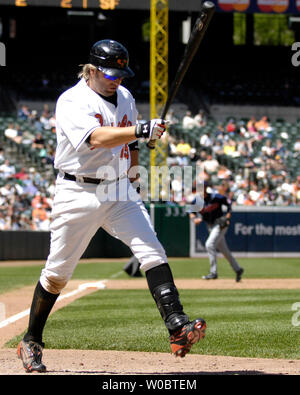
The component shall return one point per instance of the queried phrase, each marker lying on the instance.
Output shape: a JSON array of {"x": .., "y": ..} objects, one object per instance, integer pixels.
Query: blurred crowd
[
  {"x": 26, "y": 193},
  {"x": 253, "y": 161},
  {"x": 248, "y": 160}
]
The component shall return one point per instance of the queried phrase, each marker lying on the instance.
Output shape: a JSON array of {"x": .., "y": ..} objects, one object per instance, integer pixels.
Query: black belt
[{"x": 88, "y": 180}]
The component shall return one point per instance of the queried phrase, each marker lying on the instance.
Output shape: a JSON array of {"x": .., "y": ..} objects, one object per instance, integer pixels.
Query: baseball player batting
[{"x": 97, "y": 136}]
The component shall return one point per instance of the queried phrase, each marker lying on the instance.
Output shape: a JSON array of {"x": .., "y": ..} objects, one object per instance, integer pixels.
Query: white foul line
[{"x": 81, "y": 287}]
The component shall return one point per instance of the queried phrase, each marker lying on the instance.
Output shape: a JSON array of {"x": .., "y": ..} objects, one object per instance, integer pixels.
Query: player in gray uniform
[
  {"x": 217, "y": 223},
  {"x": 95, "y": 123}
]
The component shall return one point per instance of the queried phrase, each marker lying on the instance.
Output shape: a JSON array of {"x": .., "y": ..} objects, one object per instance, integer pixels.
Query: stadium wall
[{"x": 263, "y": 231}]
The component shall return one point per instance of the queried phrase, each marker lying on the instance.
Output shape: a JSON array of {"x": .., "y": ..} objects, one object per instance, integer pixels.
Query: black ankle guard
[{"x": 167, "y": 299}]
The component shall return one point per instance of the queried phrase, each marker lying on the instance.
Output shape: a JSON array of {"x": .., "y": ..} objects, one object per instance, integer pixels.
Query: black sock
[
  {"x": 41, "y": 306},
  {"x": 159, "y": 275}
]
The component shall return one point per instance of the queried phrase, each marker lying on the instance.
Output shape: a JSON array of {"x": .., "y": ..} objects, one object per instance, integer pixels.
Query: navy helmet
[{"x": 111, "y": 58}]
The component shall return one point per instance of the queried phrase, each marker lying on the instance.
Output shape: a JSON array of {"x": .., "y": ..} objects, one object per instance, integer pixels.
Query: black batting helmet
[{"x": 111, "y": 57}]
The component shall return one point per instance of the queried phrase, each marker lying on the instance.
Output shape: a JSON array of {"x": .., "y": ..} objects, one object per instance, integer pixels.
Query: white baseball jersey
[{"x": 79, "y": 111}]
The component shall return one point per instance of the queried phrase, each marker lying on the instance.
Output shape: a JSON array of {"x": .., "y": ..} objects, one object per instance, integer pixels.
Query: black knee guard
[{"x": 166, "y": 297}]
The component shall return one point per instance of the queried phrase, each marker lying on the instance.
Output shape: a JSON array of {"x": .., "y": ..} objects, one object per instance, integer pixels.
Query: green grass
[
  {"x": 12, "y": 278},
  {"x": 254, "y": 267},
  {"x": 15, "y": 277},
  {"x": 247, "y": 323}
]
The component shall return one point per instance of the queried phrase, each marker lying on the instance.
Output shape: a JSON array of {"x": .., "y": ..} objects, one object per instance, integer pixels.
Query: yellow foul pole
[{"x": 159, "y": 18}]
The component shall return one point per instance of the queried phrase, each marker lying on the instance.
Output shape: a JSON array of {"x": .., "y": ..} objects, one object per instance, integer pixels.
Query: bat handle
[{"x": 151, "y": 144}]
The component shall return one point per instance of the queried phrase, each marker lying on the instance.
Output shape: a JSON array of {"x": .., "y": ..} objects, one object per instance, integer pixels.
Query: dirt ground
[{"x": 78, "y": 362}]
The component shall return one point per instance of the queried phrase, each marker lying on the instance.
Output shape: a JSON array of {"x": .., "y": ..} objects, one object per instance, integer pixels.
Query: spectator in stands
[
  {"x": 194, "y": 156},
  {"x": 38, "y": 142},
  {"x": 171, "y": 118},
  {"x": 11, "y": 131},
  {"x": 40, "y": 218},
  {"x": 4, "y": 221},
  {"x": 52, "y": 121},
  {"x": 279, "y": 149},
  {"x": 183, "y": 150},
  {"x": 188, "y": 122},
  {"x": 200, "y": 119},
  {"x": 24, "y": 112},
  {"x": 29, "y": 187},
  {"x": 1, "y": 155},
  {"x": 7, "y": 190},
  {"x": 217, "y": 149},
  {"x": 15, "y": 134},
  {"x": 21, "y": 175},
  {"x": 241, "y": 149},
  {"x": 267, "y": 149},
  {"x": 263, "y": 124},
  {"x": 254, "y": 194},
  {"x": 27, "y": 138},
  {"x": 210, "y": 165},
  {"x": 25, "y": 222},
  {"x": 248, "y": 201},
  {"x": 296, "y": 190},
  {"x": 40, "y": 200},
  {"x": 296, "y": 146},
  {"x": 231, "y": 127},
  {"x": 219, "y": 133},
  {"x": 49, "y": 156},
  {"x": 242, "y": 129},
  {"x": 251, "y": 128},
  {"x": 230, "y": 148},
  {"x": 15, "y": 223},
  {"x": 45, "y": 118},
  {"x": 35, "y": 121},
  {"x": 7, "y": 169},
  {"x": 26, "y": 203},
  {"x": 206, "y": 140},
  {"x": 223, "y": 173}
]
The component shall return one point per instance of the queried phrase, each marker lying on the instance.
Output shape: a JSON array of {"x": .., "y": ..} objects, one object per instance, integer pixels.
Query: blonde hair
[{"x": 85, "y": 71}]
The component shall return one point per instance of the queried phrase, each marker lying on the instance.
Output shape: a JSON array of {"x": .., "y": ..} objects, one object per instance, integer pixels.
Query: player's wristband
[
  {"x": 142, "y": 130},
  {"x": 134, "y": 146}
]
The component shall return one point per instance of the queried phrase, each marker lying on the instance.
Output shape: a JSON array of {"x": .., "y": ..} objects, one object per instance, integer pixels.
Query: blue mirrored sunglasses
[{"x": 109, "y": 77}]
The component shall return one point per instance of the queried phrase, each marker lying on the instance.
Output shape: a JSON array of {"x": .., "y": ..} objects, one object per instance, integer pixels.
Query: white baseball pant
[{"x": 77, "y": 214}]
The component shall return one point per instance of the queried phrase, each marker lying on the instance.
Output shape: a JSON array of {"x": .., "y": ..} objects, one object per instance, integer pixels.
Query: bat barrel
[{"x": 197, "y": 34}]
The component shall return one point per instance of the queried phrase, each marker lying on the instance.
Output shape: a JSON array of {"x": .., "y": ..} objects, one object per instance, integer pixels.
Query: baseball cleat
[
  {"x": 210, "y": 276},
  {"x": 182, "y": 341},
  {"x": 239, "y": 275},
  {"x": 31, "y": 355}
]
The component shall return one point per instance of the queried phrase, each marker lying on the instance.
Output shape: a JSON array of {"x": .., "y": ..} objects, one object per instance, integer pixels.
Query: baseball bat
[{"x": 206, "y": 12}]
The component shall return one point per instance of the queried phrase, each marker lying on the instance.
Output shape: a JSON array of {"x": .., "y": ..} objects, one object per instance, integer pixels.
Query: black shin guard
[
  {"x": 165, "y": 294},
  {"x": 41, "y": 306}
]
